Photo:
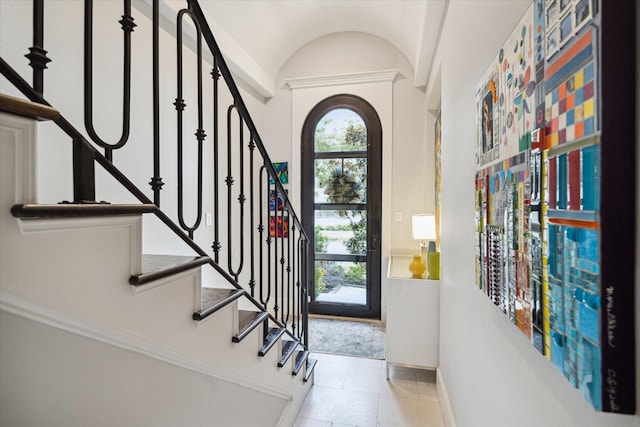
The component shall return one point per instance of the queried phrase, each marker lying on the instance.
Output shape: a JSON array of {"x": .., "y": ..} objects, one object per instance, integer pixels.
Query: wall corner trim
[{"x": 342, "y": 79}]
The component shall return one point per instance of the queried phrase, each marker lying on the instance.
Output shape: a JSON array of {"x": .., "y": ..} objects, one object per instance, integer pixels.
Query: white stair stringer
[
  {"x": 94, "y": 373},
  {"x": 78, "y": 269}
]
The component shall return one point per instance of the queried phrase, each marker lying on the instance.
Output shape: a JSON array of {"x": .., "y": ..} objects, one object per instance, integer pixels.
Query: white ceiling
[{"x": 259, "y": 36}]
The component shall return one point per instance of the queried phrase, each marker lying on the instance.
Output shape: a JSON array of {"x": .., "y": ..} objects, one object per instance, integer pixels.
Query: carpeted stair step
[
  {"x": 272, "y": 337},
  {"x": 310, "y": 365},
  {"x": 213, "y": 299},
  {"x": 65, "y": 210},
  {"x": 247, "y": 322},
  {"x": 300, "y": 359},
  {"x": 288, "y": 347},
  {"x": 156, "y": 267}
]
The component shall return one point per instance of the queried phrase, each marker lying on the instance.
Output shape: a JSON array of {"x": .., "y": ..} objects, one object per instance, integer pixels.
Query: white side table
[{"x": 413, "y": 317}]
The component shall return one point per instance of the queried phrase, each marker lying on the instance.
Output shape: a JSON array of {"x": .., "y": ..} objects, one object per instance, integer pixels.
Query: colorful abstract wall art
[
  {"x": 282, "y": 170},
  {"x": 276, "y": 200},
  {"x": 278, "y": 226},
  {"x": 539, "y": 229},
  {"x": 506, "y": 97}
]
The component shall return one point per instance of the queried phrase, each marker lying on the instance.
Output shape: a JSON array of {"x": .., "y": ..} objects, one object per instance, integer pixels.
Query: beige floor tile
[
  {"x": 361, "y": 361},
  {"x": 330, "y": 374},
  {"x": 427, "y": 391},
  {"x": 310, "y": 422},
  {"x": 365, "y": 378},
  {"x": 408, "y": 412},
  {"x": 400, "y": 387},
  {"x": 343, "y": 360},
  {"x": 354, "y": 392},
  {"x": 340, "y": 406}
]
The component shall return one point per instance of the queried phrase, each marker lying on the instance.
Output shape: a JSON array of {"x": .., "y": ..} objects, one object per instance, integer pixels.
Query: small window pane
[
  {"x": 340, "y": 180},
  {"x": 341, "y": 282},
  {"x": 341, "y": 232},
  {"x": 340, "y": 130}
]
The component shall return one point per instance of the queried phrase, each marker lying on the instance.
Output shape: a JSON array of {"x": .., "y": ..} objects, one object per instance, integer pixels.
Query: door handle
[{"x": 374, "y": 243}]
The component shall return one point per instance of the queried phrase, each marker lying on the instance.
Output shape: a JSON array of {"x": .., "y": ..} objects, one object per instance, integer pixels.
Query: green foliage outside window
[{"x": 343, "y": 182}]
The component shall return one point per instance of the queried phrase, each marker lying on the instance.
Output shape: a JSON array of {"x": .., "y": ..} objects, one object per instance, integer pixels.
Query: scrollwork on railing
[
  {"x": 229, "y": 180},
  {"x": 200, "y": 133},
  {"x": 128, "y": 25},
  {"x": 216, "y": 246}
]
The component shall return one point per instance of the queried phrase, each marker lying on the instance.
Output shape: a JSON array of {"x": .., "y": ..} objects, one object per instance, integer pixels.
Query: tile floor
[{"x": 352, "y": 391}]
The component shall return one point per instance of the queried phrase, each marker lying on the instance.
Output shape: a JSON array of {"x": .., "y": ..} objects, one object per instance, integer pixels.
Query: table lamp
[{"x": 423, "y": 228}]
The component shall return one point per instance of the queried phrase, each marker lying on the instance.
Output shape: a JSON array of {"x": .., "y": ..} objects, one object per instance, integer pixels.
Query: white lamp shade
[{"x": 423, "y": 227}]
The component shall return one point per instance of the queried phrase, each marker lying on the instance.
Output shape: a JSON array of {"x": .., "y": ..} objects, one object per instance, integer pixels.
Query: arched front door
[{"x": 342, "y": 205}]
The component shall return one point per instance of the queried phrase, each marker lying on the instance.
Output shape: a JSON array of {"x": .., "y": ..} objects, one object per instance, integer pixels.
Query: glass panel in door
[{"x": 340, "y": 208}]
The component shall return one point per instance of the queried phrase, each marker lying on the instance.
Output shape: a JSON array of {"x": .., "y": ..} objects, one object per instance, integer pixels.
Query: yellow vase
[{"x": 417, "y": 267}]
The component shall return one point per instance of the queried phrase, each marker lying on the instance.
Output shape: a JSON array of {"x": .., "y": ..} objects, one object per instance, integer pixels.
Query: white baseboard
[{"x": 445, "y": 404}]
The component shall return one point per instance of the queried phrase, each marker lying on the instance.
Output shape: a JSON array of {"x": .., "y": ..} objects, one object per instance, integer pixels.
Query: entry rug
[{"x": 347, "y": 338}]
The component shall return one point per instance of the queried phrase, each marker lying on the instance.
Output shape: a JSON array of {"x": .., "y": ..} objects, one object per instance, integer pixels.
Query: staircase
[{"x": 95, "y": 331}]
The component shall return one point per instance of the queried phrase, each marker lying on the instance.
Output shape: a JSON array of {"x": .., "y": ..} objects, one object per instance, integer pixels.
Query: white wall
[
  {"x": 493, "y": 374},
  {"x": 345, "y": 53}
]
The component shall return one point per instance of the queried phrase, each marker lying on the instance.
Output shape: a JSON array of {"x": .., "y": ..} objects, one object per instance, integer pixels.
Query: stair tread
[
  {"x": 213, "y": 299},
  {"x": 155, "y": 267},
  {"x": 310, "y": 365},
  {"x": 288, "y": 347},
  {"x": 26, "y": 108},
  {"x": 62, "y": 210},
  {"x": 269, "y": 341},
  {"x": 151, "y": 263},
  {"x": 248, "y": 320},
  {"x": 300, "y": 358}
]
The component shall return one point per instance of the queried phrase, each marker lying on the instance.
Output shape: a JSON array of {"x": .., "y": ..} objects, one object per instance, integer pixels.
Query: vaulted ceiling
[{"x": 259, "y": 36}]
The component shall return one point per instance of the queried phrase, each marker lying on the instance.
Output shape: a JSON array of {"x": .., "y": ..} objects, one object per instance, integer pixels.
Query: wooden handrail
[{"x": 26, "y": 108}]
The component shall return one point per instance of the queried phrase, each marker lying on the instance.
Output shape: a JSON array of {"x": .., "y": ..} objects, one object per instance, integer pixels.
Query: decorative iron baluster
[
  {"x": 127, "y": 27},
  {"x": 216, "y": 246},
  {"x": 156, "y": 181},
  {"x": 37, "y": 56},
  {"x": 200, "y": 134},
  {"x": 301, "y": 262},
  {"x": 292, "y": 271},
  {"x": 264, "y": 177},
  {"x": 241, "y": 197},
  {"x": 288, "y": 270},
  {"x": 303, "y": 294},
  {"x": 276, "y": 306},
  {"x": 282, "y": 261},
  {"x": 252, "y": 249}
]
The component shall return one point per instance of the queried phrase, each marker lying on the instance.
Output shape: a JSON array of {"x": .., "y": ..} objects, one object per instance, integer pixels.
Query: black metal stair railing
[{"x": 259, "y": 240}]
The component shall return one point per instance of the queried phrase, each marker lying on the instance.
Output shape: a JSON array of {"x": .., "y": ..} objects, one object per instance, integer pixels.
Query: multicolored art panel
[
  {"x": 506, "y": 99},
  {"x": 538, "y": 196}
]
